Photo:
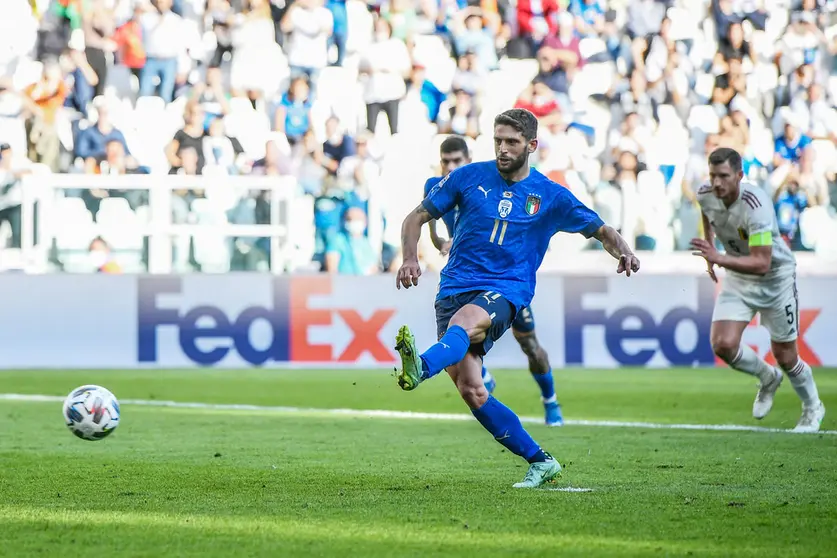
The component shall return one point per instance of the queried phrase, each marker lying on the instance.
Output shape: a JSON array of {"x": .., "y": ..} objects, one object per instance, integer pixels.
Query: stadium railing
[{"x": 290, "y": 217}]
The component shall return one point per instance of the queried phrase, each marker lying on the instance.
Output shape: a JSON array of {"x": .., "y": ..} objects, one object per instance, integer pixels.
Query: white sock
[
  {"x": 748, "y": 361},
  {"x": 802, "y": 379}
]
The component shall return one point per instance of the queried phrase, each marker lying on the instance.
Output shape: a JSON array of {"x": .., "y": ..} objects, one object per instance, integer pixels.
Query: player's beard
[{"x": 514, "y": 165}]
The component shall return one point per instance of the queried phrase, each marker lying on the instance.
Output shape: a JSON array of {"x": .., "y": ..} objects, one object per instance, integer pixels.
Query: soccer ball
[{"x": 91, "y": 412}]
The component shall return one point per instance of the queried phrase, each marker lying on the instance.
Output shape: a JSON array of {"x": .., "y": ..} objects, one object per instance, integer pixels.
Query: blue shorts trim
[
  {"x": 502, "y": 314},
  {"x": 524, "y": 322}
]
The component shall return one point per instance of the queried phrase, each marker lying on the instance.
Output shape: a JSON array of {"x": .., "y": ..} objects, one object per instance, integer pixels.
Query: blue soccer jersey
[
  {"x": 448, "y": 218},
  {"x": 503, "y": 230}
]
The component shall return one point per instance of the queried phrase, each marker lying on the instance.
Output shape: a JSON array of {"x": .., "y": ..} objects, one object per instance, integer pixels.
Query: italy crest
[{"x": 533, "y": 204}]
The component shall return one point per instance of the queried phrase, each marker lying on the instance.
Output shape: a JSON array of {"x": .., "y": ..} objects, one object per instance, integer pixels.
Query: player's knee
[
  {"x": 529, "y": 345},
  {"x": 474, "y": 320},
  {"x": 726, "y": 348},
  {"x": 474, "y": 395},
  {"x": 786, "y": 356}
]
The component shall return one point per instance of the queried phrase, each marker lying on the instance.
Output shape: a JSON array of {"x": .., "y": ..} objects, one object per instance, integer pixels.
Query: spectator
[
  {"x": 428, "y": 93},
  {"x": 43, "y": 100},
  {"x": 80, "y": 78},
  {"x": 255, "y": 52},
  {"x": 462, "y": 116},
  {"x": 220, "y": 150},
  {"x": 401, "y": 16},
  {"x": 790, "y": 201},
  {"x": 293, "y": 114},
  {"x": 113, "y": 161},
  {"x": 535, "y": 22},
  {"x": 589, "y": 17},
  {"x": 91, "y": 141},
  {"x": 277, "y": 158},
  {"x": 337, "y": 147},
  {"x": 11, "y": 173},
  {"x": 358, "y": 171},
  {"x": 162, "y": 32},
  {"x": 98, "y": 26},
  {"x": 734, "y": 47},
  {"x": 340, "y": 31},
  {"x": 792, "y": 149},
  {"x": 212, "y": 96},
  {"x": 472, "y": 35},
  {"x": 385, "y": 66},
  {"x": 128, "y": 39},
  {"x": 350, "y": 252},
  {"x": 540, "y": 101},
  {"x": 561, "y": 57},
  {"x": 221, "y": 20},
  {"x": 101, "y": 258},
  {"x": 191, "y": 136},
  {"x": 728, "y": 86},
  {"x": 310, "y": 26},
  {"x": 181, "y": 200}
]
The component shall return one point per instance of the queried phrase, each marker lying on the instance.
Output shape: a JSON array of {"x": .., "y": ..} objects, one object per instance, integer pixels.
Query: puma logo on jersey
[{"x": 483, "y": 190}]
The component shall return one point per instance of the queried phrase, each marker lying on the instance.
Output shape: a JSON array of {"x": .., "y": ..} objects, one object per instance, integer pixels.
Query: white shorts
[{"x": 776, "y": 301}]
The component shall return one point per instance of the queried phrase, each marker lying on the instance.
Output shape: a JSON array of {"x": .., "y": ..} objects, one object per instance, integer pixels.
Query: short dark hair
[
  {"x": 726, "y": 155},
  {"x": 452, "y": 144},
  {"x": 521, "y": 120}
]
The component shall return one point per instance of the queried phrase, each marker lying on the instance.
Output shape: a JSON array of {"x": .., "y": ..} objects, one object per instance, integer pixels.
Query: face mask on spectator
[
  {"x": 355, "y": 227},
  {"x": 98, "y": 258}
]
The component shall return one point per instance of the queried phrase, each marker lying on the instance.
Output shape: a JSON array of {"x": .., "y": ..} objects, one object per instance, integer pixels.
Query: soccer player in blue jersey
[
  {"x": 507, "y": 214},
  {"x": 453, "y": 153}
]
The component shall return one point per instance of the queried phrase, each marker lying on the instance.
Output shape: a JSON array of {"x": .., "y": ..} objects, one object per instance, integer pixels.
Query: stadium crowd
[{"x": 352, "y": 99}]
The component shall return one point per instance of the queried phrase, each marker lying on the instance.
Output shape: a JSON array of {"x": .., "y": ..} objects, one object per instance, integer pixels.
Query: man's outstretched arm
[
  {"x": 410, "y": 233},
  {"x": 616, "y": 246}
]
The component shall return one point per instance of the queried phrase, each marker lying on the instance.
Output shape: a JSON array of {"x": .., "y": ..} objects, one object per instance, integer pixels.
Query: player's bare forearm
[
  {"x": 618, "y": 248},
  {"x": 437, "y": 241},
  {"x": 411, "y": 232},
  {"x": 613, "y": 242},
  {"x": 708, "y": 234},
  {"x": 757, "y": 263}
]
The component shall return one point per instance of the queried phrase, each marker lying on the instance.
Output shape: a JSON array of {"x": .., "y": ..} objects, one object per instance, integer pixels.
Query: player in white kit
[{"x": 761, "y": 277}]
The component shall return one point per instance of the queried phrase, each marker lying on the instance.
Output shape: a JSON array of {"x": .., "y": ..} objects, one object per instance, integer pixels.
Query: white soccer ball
[{"x": 91, "y": 412}]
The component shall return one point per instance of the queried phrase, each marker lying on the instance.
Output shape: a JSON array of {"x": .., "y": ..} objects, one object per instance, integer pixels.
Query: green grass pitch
[{"x": 263, "y": 482}]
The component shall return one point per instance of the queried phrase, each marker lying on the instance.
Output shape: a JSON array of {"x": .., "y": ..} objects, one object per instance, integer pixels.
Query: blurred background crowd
[{"x": 352, "y": 98}]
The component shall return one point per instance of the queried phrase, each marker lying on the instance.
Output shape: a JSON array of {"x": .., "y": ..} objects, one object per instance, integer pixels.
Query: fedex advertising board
[{"x": 242, "y": 320}]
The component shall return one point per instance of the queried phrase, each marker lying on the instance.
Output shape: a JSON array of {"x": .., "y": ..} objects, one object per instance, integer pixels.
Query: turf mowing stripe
[{"x": 376, "y": 413}]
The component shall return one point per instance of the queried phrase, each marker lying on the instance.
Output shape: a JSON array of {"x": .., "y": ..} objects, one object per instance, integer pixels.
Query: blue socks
[
  {"x": 545, "y": 383},
  {"x": 506, "y": 429},
  {"x": 451, "y": 348}
]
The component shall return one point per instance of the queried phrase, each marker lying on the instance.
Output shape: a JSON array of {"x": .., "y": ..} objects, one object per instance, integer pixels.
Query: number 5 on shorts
[{"x": 790, "y": 313}]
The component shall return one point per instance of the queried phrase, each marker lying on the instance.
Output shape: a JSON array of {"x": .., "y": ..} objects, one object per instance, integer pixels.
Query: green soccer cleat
[
  {"x": 410, "y": 375},
  {"x": 540, "y": 473}
]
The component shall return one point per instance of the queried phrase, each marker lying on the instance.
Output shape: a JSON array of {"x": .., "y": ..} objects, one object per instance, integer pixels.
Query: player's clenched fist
[
  {"x": 628, "y": 263},
  {"x": 408, "y": 274}
]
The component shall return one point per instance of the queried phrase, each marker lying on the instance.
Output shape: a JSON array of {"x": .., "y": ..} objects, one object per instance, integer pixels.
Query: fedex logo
[
  {"x": 620, "y": 326},
  {"x": 207, "y": 334}
]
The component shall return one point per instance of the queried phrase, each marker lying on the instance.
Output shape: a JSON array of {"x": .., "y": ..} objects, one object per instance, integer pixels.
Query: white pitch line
[{"x": 380, "y": 413}]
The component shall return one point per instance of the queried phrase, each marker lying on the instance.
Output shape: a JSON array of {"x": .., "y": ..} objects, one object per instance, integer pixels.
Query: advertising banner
[{"x": 241, "y": 320}]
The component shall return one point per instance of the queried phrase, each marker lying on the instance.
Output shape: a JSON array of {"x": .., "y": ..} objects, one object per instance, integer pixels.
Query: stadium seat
[
  {"x": 360, "y": 26},
  {"x": 121, "y": 83},
  {"x": 13, "y": 132},
  {"x": 119, "y": 225},
  {"x": 150, "y": 105},
  {"x": 27, "y": 72},
  {"x": 211, "y": 247},
  {"x": 703, "y": 119},
  {"x": 591, "y": 46}
]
